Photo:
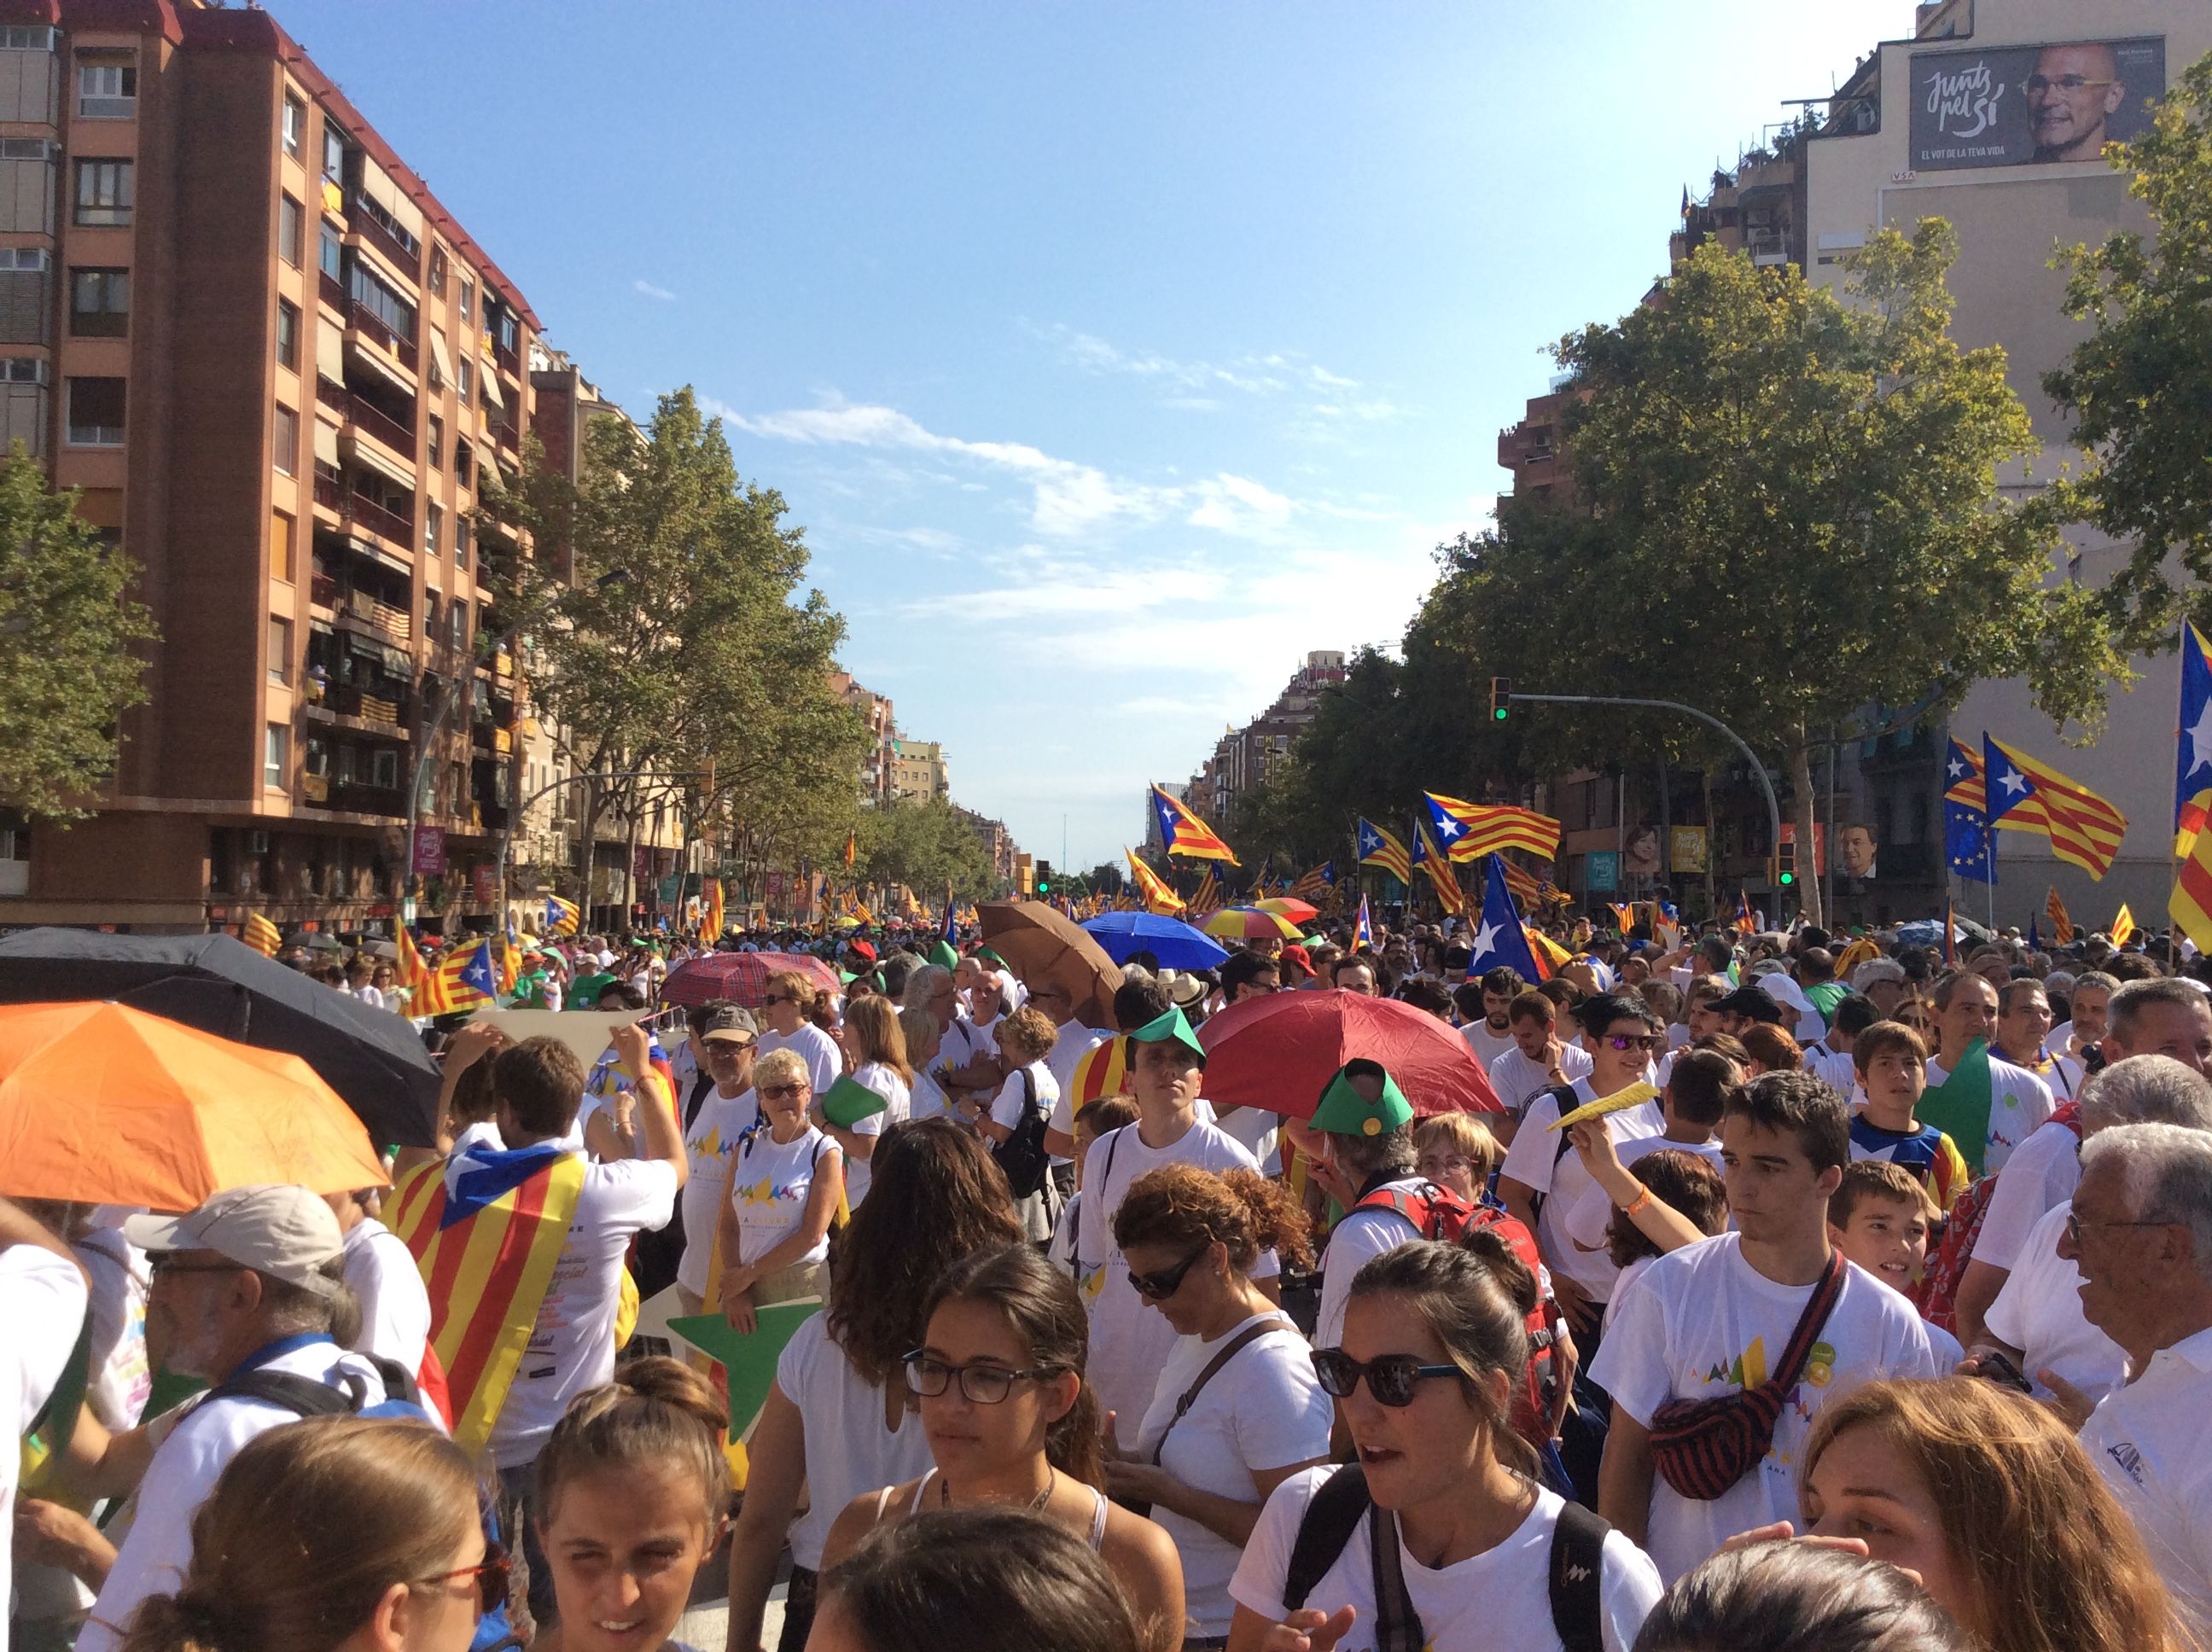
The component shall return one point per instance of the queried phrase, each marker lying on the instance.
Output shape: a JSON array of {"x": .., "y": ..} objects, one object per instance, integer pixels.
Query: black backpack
[
  {"x": 307, "y": 1397},
  {"x": 1342, "y": 1503},
  {"x": 1021, "y": 1158}
]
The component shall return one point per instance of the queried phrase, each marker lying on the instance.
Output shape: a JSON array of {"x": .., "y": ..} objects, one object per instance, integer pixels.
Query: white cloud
[
  {"x": 646, "y": 288},
  {"x": 1230, "y": 504}
]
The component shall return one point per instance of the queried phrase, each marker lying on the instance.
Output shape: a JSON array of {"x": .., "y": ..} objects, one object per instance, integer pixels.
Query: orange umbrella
[{"x": 106, "y": 1104}]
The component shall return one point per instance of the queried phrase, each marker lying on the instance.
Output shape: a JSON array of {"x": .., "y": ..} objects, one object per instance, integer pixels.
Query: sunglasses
[
  {"x": 493, "y": 1576},
  {"x": 1390, "y": 1377},
  {"x": 783, "y": 1092},
  {"x": 1630, "y": 1040},
  {"x": 1158, "y": 1287},
  {"x": 163, "y": 1262},
  {"x": 768, "y": 999}
]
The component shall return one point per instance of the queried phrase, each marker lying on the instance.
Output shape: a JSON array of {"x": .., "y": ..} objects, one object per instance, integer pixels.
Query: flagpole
[{"x": 2173, "y": 848}]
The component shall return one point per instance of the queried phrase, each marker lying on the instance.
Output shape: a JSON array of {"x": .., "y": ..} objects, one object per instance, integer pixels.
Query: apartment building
[
  {"x": 918, "y": 769},
  {"x": 883, "y": 730},
  {"x": 1242, "y": 757},
  {"x": 279, "y": 369}
]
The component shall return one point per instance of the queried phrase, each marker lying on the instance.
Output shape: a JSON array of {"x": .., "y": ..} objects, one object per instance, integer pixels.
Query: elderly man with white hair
[
  {"x": 2141, "y": 1231},
  {"x": 1881, "y": 982}
]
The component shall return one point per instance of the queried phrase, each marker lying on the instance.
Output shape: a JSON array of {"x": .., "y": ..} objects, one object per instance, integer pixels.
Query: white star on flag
[
  {"x": 1449, "y": 829},
  {"x": 1957, "y": 769},
  {"x": 2200, "y": 741},
  {"x": 1486, "y": 938},
  {"x": 2014, "y": 781}
]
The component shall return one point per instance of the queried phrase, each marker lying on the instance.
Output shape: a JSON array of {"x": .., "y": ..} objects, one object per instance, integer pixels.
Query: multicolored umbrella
[
  {"x": 1298, "y": 912},
  {"x": 1250, "y": 924},
  {"x": 741, "y": 977},
  {"x": 1278, "y": 1053}
]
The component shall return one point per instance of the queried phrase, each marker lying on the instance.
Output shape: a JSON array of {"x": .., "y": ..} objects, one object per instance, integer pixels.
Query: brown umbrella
[{"x": 1041, "y": 944}]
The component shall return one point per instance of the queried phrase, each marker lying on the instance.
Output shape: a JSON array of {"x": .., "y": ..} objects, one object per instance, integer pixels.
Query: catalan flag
[
  {"x": 510, "y": 960},
  {"x": 2083, "y": 828},
  {"x": 1363, "y": 932},
  {"x": 1430, "y": 859},
  {"x": 1549, "y": 955},
  {"x": 1744, "y": 920},
  {"x": 467, "y": 980},
  {"x": 1624, "y": 917},
  {"x": 2191, "y": 903},
  {"x": 1316, "y": 882},
  {"x": 1157, "y": 896},
  {"x": 562, "y": 917},
  {"x": 1525, "y": 888},
  {"x": 1470, "y": 830},
  {"x": 1207, "y": 897},
  {"x": 410, "y": 970},
  {"x": 852, "y": 845},
  {"x": 2062, "y": 926},
  {"x": 2123, "y": 925},
  {"x": 712, "y": 925},
  {"x": 1102, "y": 1070},
  {"x": 1184, "y": 834},
  {"x": 1500, "y": 938},
  {"x": 1378, "y": 848},
  {"x": 257, "y": 933},
  {"x": 2192, "y": 762}
]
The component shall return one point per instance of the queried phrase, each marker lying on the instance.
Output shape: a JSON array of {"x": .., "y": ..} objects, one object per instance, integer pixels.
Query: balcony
[
  {"x": 364, "y": 513},
  {"x": 508, "y": 437},
  {"x": 367, "y": 222},
  {"x": 359, "y": 410},
  {"x": 372, "y": 327},
  {"x": 334, "y": 291},
  {"x": 322, "y": 591},
  {"x": 510, "y": 361},
  {"x": 329, "y": 492},
  {"x": 384, "y": 619}
]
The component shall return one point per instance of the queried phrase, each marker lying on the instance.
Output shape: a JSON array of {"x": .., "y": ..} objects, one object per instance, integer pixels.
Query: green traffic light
[
  {"x": 1787, "y": 878},
  {"x": 1499, "y": 714}
]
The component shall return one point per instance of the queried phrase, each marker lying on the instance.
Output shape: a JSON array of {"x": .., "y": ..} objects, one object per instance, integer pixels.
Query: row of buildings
[
  {"x": 1990, "y": 115},
  {"x": 897, "y": 770},
  {"x": 1241, "y": 758}
]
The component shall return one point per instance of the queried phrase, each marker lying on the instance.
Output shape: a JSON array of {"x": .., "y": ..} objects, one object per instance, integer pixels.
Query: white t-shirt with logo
[
  {"x": 2038, "y": 1312},
  {"x": 2150, "y": 1441},
  {"x": 395, "y": 1305},
  {"x": 572, "y": 1346},
  {"x": 1535, "y": 1161},
  {"x": 769, "y": 1183},
  {"x": 1262, "y": 1410},
  {"x": 1701, "y": 1322},
  {"x": 709, "y": 1142},
  {"x": 1499, "y": 1600},
  {"x": 43, "y": 1300},
  {"x": 898, "y": 1107},
  {"x": 2043, "y": 1172},
  {"x": 815, "y": 1047},
  {"x": 1516, "y": 1078}
]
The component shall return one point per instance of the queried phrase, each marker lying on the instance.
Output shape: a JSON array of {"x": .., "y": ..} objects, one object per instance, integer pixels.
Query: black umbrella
[{"x": 371, "y": 1058}]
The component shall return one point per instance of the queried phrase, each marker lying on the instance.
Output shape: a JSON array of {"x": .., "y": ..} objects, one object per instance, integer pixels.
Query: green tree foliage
[
  {"x": 924, "y": 843},
  {"x": 2139, "y": 386},
  {"x": 68, "y": 633}
]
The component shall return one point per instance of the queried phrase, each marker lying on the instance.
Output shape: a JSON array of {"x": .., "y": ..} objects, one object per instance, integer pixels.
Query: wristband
[{"x": 1643, "y": 1198}]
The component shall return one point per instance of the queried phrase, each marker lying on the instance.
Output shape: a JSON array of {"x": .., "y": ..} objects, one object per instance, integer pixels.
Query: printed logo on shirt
[
  {"x": 2129, "y": 1459},
  {"x": 1749, "y": 1368},
  {"x": 765, "y": 1191}
]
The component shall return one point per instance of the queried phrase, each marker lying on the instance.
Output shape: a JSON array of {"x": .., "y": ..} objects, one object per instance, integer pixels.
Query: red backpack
[
  {"x": 1439, "y": 1213},
  {"x": 1938, "y": 1296}
]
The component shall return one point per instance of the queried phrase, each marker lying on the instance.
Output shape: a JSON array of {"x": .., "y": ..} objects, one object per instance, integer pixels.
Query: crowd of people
[{"x": 1800, "y": 1290}]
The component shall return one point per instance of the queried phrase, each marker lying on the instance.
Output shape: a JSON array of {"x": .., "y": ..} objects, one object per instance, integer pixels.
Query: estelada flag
[
  {"x": 257, "y": 933},
  {"x": 485, "y": 1228},
  {"x": 467, "y": 980},
  {"x": 1744, "y": 920},
  {"x": 2192, "y": 761},
  {"x": 1207, "y": 900},
  {"x": 562, "y": 917},
  {"x": 2191, "y": 903},
  {"x": 1470, "y": 830},
  {"x": 1378, "y": 848},
  {"x": 1157, "y": 896},
  {"x": 1430, "y": 859},
  {"x": 1183, "y": 833},
  {"x": 2082, "y": 828}
]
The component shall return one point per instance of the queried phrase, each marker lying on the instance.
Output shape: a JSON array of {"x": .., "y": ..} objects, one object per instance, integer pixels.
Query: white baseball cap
[{"x": 283, "y": 1231}]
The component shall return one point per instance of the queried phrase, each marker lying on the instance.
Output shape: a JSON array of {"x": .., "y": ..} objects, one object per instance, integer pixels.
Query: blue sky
[{"x": 1113, "y": 356}]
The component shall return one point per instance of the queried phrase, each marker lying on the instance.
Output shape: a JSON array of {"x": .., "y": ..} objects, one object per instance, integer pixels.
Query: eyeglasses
[
  {"x": 768, "y": 999},
  {"x": 982, "y": 1385},
  {"x": 164, "y": 1262},
  {"x": 2043, "y": 85},
  {"x": 729, "y": 1046},
  {"x": 1632, "y": 1041},
  {"x": 2075, "y": 1224},
  {"x": 1454, "y": 1162},
  {"x": 782, "y": 1092},
  {"x": 1158, "y": 1287},
  {"x": 492, "y": 1577},
  {"x": 1390, "y": 1377}
]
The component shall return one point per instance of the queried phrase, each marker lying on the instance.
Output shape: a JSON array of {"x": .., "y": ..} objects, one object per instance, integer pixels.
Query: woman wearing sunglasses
[
  {"x": 1441, "y": 1538},
  {"x": 1238, "y": 1409},
  {"x": 1011, "y": 1423},
  {"x": 351, "y": 1533},
  {"x": 787, "y": 1181}
]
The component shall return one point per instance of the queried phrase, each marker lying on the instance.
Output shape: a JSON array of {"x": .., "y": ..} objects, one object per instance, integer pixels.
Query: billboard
[{"x": 2019, "y": 105}]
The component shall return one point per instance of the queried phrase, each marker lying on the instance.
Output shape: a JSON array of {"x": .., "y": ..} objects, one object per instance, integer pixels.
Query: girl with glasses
[
  {"x": 1445, "y": 1535},
  {"x": 346, "y": 1532},
  {"x": 998, "y": 1380},
  {"x": 787, "y": 1181},
  {"x": 1238, "y": 1409}
]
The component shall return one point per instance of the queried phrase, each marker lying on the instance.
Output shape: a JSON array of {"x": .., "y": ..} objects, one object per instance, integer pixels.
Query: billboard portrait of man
[
  {"x": 1858, "y": 849},
  {"x": 2074, "y": 92},
  {"x": 2019, "y": 105}
]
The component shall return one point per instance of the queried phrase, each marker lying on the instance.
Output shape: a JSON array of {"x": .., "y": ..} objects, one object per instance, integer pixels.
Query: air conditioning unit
[{"x": 256, "y": 843}]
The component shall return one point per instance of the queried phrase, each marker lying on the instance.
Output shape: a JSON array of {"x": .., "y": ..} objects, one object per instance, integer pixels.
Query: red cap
[
  {"x": 1297, "y": 955},
  {"x": 862, "y": 949}
]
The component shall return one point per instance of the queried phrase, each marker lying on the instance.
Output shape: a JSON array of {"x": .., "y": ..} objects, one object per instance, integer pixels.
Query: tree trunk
[
  {"x": 1801, "y": 802},
  {"x": 1712, "y": 846}
]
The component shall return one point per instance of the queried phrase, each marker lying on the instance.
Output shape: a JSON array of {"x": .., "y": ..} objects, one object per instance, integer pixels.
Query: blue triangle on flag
[{"x": 1498, "y": 940}]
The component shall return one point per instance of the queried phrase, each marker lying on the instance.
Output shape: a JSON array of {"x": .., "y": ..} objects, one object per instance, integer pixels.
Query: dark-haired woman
[
  {"x": 998, "y": 1379},
  {"x": 1434, "y": 1343},
  {"x": 836, "y": 1423}
]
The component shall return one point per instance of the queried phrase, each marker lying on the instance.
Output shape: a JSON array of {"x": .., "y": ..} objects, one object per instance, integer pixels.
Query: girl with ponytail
[{"x": 998, "y": 1382}]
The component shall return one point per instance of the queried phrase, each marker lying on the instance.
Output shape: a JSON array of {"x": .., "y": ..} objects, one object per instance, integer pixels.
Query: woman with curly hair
[
  {"x": 1238, "y": 1409},
  {"x": 837, "y": 1421},
  {"x": 1993, "y": 1502}
]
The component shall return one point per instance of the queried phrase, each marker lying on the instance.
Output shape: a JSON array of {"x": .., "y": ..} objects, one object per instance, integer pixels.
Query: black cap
[{"x": 1750, "y": 1002}]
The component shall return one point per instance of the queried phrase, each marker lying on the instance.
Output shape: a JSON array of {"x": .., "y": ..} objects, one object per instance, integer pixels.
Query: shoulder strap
[
  {"x": 302, "y": 1395},
  {"x": 1105, "y": 1180},
  {"x": 1578, "y": 1570},
  {"x": 1339, "y": 1504},
  {"x": 1397, "y": 1624},
  {"x": 1564, "y": 1096},
  {"x": 1818, "y": 1306},
  {"x": 1222, "y": 1357}
]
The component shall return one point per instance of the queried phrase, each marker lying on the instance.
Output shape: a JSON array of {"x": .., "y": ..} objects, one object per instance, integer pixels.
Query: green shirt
[{"x": 585, "y": 994}]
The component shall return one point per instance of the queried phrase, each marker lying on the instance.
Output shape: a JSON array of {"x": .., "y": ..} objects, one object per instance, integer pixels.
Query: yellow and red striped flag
[
  {"x": 1102, "y": 1070},
  {"x": 1430, "y": 859},
  {"x": 410, "y": 970},
  {"x": 1379, "y": 848},
  {"x": 257, "y": 933},
  {"x": 2123, "y": 921},
  {"x": 2191, "y": 903},
  {"x": 2083, "y": 828},
  {"x": 1157, "y": 896},
  {"x": 1522, "y": 885},
  {"x": 1471, "y": 830},
  {"x": 467, "y": 980},
  {"x": 2062, "y": 926},
  {"x": 712, "y": 925},
  {"x": 1206, "y": 899},
  {"x": 1184, "y": 834},
  {"x": 510, "y": 961}
]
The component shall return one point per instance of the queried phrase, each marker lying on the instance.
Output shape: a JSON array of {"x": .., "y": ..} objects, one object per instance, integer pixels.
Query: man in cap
[
  {"x": 717, "y": 1114},
  {"x": 1358, "y": 1141},
  {"x": 246, "y": 1288},
  {"x": 1128, "y": 1342},
  {"x": 1747, "y": 1006}
]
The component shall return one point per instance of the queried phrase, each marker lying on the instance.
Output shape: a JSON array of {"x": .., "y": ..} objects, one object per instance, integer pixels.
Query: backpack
[
  {"x": 304, "y": 1396},
  {"x": 1021, "y": 1158},
  {"x": 1937, "y": 1297},
  {"x": 1340, "y": 1502}
]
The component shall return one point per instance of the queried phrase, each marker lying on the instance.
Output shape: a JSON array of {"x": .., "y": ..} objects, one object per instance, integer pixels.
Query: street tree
[{"x": 923, "y": 843}]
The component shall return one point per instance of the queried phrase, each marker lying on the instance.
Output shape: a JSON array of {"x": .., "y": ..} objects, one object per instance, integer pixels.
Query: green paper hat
[
  {"x": 849, "y": 1101},
  {"x": 1172, "y": 1025},
  {"x": 943, "y": 955},
  {"x": 1345, "y": 1112},
  {"x": 991, "y": 957}
]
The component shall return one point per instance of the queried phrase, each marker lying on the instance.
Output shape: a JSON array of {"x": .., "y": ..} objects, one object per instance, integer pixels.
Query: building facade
[
  {"x": 1242, "y": 757},
  {"x": 918, "y": 769}
]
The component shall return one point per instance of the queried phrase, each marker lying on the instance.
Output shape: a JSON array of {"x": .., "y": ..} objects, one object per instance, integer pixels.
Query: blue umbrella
[{"x": 1174, "y": 943}]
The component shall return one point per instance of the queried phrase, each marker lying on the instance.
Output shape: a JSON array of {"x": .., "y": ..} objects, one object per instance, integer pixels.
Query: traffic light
[
  {"x": 1785, "y": 864},
  {"x": 1501, "y": 693}
]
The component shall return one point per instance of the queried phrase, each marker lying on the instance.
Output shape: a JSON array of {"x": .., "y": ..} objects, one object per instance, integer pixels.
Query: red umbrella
[
  {"x": 741, "y": 977},
  {"x": 1278, "y": 1053}
]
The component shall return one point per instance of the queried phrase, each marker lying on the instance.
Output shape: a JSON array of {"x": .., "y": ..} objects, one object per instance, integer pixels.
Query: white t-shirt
[
  {"x": 572, "y": 1346},
  {"x": 2150, "y": 1441},
  {"x": 848, "y": 1450},
  {"x": 898, "y": 1107},
  {"x": 1587, "y": 1223},
  {"x": 2038, "y": 1312},
  {"x": 709, "y": 1143},
  {"x": 2043, "y": 1172},
  {"x": 1487, "y": 1046},
  {"x": 395, "y": 1305},
  {"x": 184, "y": 1470},
  {"x": 1834, "y": 1068},
  {"x": 2019, "y": 1103},
  {"x": 1516, "y": 1078},
  {"x": 925, "y": 1098},
  {"x": 1356, "y": 1240},
  {"x": 769, "y": 1183},
  {"x": 120, "y": 1380},
  {"x": 1535, "y": 1161},
  {"x": 1012, "y": 1099},
  {"x": 1264, "y": 1410},
  {"x": 1258, "y": 1131},
  {"x": 1130, "y": 1340},
  {"x": 42, "y": 1300},
  {"x": 1499, "y": 1600},
  {"x": 1701, "y": 1322},
  {"x": 815, "y": 1047}
]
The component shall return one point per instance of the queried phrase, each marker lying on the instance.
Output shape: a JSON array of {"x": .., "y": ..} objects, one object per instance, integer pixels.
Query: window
[
  {"x": 430, "y": 615},
  {"x": 287, "y": 334},
  {"x": 275, "y": 756},
  {"x": 28, "y": 170},
  {"x": 435, "y": 442},
  {"x": 100, "y": 303},
  {"x": 330, "y": 253},
  {"x": 334, "y": 150},
  {"x": 347, "y": 762},
  {"x": 384, "y": 770},
  {"x": 295, "y": 126},
  {"x": 461, "y": 463},
  {"x": 103, "y": 192},
  {"x": 456, "y": 624},
  {"x": 106, "y": 90},
  {"x": 285, "y": 432},
  {"x": 280, "y": 649},
  {"x": 436, "y": 282},
  {"x": 463, "y": 379},
  {"x": 468, "y": 296},
  {"x": 433, "y": 518},
  {"x": 380, "y": 302},
  {"x": 463, "y": 536},
  {"x": 95, "y": 412},
  {"x": 28, "y": 39},
  {"x": 291, "y": 224},
  {"x": 24, "y": 299},
  {"x": 510, "y": 334},
  {"x": 280, "y": 546}
]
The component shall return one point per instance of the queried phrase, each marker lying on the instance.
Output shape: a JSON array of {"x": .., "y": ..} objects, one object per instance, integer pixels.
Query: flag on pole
[
  {"x": 1744, "y": 920},
  {"x": 852, "y": 845},
  {"x": 1378, "y": 848},
  {"x": 1968, "y": 848},
  {"x": 409, "y": 968},
  {"x": 1499, "y": 937},
  {"x": 1157, "y": 896},
  {"x": 257, "y": 933},
  {"x": 711, "y": 926},
  {"x": 1184, "y": 834},
  {"x": 562, "y": 917},
  {"x": 1470, "y": 830},
  {"x": 467, "y": 980},
  {"x": 1550, "y": 958},
  {"x": 1526, "y": 889},
  {"x": 1207, "y": 897},
  {"x": 1950, "y": 937},
  {"x": 1431, "y": 859},
  {"x": 1624, "y": 916},
  {"x": 510, "y": 960},
  {"x": 1317, "y": 883},
  {"x": 2062, "y": 926},
  {"x": 2192, "y": 761},
  {"x": 1363, "y": 932},
  {"x": 2123, "y": 925},
  {"x": 2191, "y": 903},
  {"x": 2027, "y": 795}
]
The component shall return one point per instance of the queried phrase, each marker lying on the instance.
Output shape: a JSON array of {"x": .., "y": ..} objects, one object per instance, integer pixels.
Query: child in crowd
[
  {"x": 1092, "y": 1120},
  {"x": 1891, "y": 1062},
  {"x": 1882, "y": 1217}
]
